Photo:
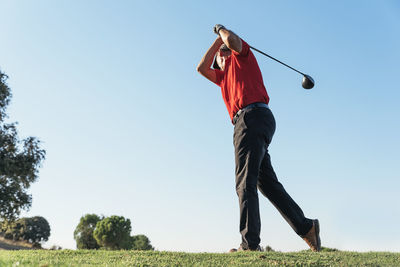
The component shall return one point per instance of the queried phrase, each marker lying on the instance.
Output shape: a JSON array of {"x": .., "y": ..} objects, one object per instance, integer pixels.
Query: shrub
[
  {"x": 268, "y": 249},
  {"x": 55, "y": 247},
  {"x": 141, "y": 242}
]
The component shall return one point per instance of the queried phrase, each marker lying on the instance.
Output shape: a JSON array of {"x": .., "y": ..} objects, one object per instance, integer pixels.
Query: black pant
[{"x": 253, "y": 133}]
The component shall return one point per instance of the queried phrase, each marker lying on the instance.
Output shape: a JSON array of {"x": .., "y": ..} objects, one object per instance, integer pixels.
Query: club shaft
[{"x": 259, "y": 51}]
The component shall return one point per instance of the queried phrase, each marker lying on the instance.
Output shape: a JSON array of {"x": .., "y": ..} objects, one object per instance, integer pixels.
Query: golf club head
[{"x": 308, "y": 82}]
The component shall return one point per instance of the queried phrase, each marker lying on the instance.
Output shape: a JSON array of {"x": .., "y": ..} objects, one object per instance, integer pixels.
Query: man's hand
[
  {"x": 217, "y": 28},
  {"x": 229, "y": 38}
]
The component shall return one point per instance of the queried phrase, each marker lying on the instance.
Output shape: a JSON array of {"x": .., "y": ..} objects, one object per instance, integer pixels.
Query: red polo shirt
[{"x": 241, "y": 83}]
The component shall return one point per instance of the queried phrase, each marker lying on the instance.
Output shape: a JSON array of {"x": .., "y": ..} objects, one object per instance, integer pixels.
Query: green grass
[{"x": 47, "y": 258}]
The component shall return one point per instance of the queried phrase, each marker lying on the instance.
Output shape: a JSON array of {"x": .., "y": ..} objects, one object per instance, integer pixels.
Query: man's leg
[
  {"x": 249, "y": 153},
  {"x": 270, "y": 187}
]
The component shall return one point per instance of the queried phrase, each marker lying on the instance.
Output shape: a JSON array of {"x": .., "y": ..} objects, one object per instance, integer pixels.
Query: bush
[
  {"x": 55, "y": 247},
  {"x": 325, "y": 249},
  {"x": 113, "y": 233},
  {"x": 83, "y": 233},
  {"x": 141, "y": 242},
  {"x": 268, "y": 249}
]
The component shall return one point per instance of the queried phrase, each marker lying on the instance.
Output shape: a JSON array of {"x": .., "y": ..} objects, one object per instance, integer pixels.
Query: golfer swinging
[{"x": 237, "y": 73}]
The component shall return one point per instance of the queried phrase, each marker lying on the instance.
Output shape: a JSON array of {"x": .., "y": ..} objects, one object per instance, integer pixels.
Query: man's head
[{"x": 220, "y": 57}]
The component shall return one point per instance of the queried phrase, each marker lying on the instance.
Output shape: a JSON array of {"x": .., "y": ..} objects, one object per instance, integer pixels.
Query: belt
[{"x": 246, "y": 108}]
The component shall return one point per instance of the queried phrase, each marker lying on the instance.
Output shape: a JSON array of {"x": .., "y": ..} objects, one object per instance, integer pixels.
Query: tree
[
  {"x": 8, "y": 229},
  {"x": 33, "y": 230},
  {"x": 83, "y": 233},
  {"x": 19, "y": 161},
  {"x": 113, "y": 233},
  {"x": 141, "y": 242}
]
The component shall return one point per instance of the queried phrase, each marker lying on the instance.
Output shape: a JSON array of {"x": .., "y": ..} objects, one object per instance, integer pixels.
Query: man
[{"x": 237, "y": 73}]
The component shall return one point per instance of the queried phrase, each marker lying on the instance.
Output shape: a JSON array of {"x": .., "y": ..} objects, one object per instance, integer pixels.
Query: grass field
[{"x": 47, "y": 258}]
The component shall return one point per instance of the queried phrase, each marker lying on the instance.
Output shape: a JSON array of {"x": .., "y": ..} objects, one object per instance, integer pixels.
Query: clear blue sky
[{"x": 130, "y": 128}]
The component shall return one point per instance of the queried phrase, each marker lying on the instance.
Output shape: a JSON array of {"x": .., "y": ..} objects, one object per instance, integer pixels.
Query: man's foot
[
  {"x": 312, "y": 237},
  {"x": 242, "y": 249}
]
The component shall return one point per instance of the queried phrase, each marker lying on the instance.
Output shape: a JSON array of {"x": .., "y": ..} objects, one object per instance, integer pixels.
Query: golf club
[{"x": 307, "y": 82}]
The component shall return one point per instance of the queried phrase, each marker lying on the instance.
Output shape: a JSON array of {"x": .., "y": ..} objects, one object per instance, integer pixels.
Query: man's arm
[
  {"x": 204, "y": 67},
  {"x": 229, "y": 38}
]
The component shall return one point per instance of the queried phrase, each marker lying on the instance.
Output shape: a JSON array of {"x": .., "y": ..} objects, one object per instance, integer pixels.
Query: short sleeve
[
  {"x": 245, "y": 49},
  {"x": 220, "y": 76}
]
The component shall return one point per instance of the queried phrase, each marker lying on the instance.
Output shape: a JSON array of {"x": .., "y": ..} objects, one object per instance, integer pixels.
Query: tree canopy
[
  {"x": 113, "y": 233},
  {"x": 141, "y": 242},
  {"x": 33, "y": 230},
  {"x": 19, "y": 161},
  {"x": 83, "y": 233}
]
